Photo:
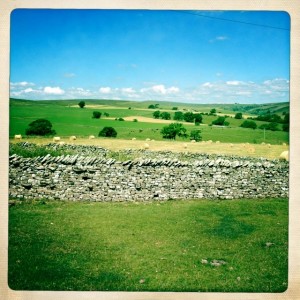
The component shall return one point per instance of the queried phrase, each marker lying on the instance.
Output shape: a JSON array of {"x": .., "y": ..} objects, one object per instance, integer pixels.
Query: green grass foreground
[{"x": 156, "y": 246}]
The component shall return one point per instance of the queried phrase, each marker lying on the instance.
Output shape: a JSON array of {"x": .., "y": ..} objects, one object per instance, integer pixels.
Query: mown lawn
[{"x": 156, "y": 246}]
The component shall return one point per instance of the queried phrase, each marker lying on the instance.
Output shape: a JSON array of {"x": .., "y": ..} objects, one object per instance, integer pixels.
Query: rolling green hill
[{"x": 68, "y": 119}]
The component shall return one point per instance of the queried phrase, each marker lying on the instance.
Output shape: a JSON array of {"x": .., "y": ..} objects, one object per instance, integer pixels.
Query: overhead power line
[{"x": 229, "y": 20}]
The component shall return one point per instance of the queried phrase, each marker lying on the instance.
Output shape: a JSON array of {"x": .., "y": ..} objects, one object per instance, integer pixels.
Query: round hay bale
[
  {"x": 284, "y": 155},
  {"x": 185, "y": 145},
  {"x": 146, "y": 146},
  {"x": 61, "y": 143},
  {"x": 133, "y": 139},
  {"x": 283, "y": 144},
  {"x": 231, "y": 145},
  {"x": 269, "y": 145},
  {"x": 18, "y": 137},
  {"x": 56, "y": 139},
  {"x": 263, "y": 143},
  {"x": 147, "y": 139},
  {"x": 193, "y": 141},
  {"x": 72, "y": 138},
  {"x": 91, "y": 137},
  {"x": 217, "y": 142}
]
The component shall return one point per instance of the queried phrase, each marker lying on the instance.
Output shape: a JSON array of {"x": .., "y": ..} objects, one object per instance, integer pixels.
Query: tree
[
  {"x": 238, "y": 115},
  {"x": 213, "y": 111},
  {"x": 40, "y": 127},
  {"x": 106, "y": 114},
  {"x": 173, "y": 130},
  {"x": 198, "y": 119},
  {"x": 165, "y": 115},
  {"x": 174, "y": 108},
  {"x": 156, "y": 114},
  {"x": 249, "y": 124},
  {"x": 178, "y": 116},
  {"x": 196, "y": 135},
  {"x": 108, "y": 132},
  {"x": 220, "y": 121},
  {"x": 189, "y": 117},
  {"x": 81, "y": 104},
  {"x": 96, "y": 114}
]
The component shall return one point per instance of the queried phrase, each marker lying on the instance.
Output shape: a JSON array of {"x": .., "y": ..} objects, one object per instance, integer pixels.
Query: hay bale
[
  {"x": 193, "y": 141},
  {"x": 231, "y": 145},
  {"x": 91, "y": 137},
  {"x": 283, "y": 144},
  {"x": 147, "y": 139},
  {"x": 61, "y": 143},
  {"x": 146, "y": 146},
  {"x": 217, "y": 142},
  {"x": 72, "y": 138},
  {"x": 56, "y": 139},
  {"x": 263, "y": 143},
  {"x": 18, "y": 137},
  {"x": 133, "y": 139},
  {"x": 185, "y": 145},
  {"x": 284, "y": 155},
  {"x": 269, "y": 145}
]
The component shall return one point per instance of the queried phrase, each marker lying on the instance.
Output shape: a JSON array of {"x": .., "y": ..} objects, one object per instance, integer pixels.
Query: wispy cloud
[
  {"x": 220, "y": 38},
  {"x": 69, "y": 75}
]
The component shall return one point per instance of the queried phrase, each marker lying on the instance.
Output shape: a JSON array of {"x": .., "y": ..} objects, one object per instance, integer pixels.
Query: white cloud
[
  {"x": 234, "y": 82},
  {"x": 21, "y": 84},
  {"x": 272, "y": 90},
  {"x": 128, "y": 90},
  {"x": 29, "y": 90},
  {"x": 105, "y": 90},
  {"x": 160, "y": 89},
  {"x": 53, "y": 90},
  {"x": 207, "y": 84}
]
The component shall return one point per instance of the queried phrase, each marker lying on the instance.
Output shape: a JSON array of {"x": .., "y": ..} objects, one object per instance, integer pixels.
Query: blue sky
[{"x": 186, "y": 56}]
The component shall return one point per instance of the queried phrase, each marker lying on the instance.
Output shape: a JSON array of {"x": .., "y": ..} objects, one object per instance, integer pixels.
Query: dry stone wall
[{"x": 151, "y": 176}]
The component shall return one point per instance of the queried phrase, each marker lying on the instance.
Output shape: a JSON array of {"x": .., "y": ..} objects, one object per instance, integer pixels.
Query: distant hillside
[{"x": 253, "y": 109}]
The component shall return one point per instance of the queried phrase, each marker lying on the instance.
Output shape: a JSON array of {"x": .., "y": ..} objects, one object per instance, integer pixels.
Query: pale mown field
[{"x": 252, "y": 150}]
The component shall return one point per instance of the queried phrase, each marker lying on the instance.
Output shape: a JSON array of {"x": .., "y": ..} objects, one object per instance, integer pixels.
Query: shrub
[
  {"x": 135, "y": 120},
  {"x": 40, "y": 127},
  {"x": 178, "y": 116},
  {"x": 213, "y": 111},
  {"x": 238, "y": 115},
  {"x": 108, "y": 132},
  {"x": 121, "y": 119},
  {"x": 81, "y": 104},
  {"x": 174, "y": 108},
  {"x": 249, "y": 124},
  {"x": 106, "y": 114},
  {"x": 165, "y": 115},
  {"x": 198, "y": 118},
  {"x": 96, "y": 114},
  {"x": 151, "y": 106},
  {"x": 156, "y": 114},
  {"x": 271, "y": 126},
  {"x": 286, "y": 127},
  {"x": 220, "y": 122},
  {"x": 189, "y": 117},
  {"x": 196, "y": 135}
]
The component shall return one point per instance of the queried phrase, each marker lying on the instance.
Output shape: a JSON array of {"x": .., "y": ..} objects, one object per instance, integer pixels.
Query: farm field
[
  {"x": 67, "y": 120},
  {"x": 196, "y": 245}
]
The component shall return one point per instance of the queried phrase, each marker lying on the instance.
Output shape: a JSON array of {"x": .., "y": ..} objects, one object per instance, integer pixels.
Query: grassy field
[
  {"x": 68, "y": 119},
  {"x": 198, "y": 245}
]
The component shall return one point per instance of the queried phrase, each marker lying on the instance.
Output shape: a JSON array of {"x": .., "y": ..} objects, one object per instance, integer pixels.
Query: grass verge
[{"x": 198, "y": 245}]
